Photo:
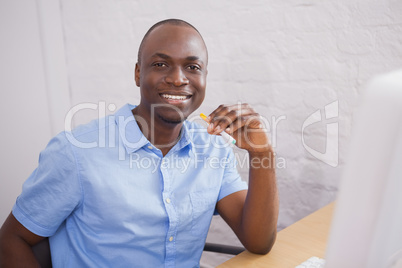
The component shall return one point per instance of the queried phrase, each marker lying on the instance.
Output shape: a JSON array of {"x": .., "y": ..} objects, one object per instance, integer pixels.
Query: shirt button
[
  {"x": 168, "y": 200},
  {"x": 171, "y": 238},
  {"x": 150, "y": 147}
]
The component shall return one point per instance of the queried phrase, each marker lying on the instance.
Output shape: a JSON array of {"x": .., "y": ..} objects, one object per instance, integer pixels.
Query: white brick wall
[{"x": 286, "y": 58}]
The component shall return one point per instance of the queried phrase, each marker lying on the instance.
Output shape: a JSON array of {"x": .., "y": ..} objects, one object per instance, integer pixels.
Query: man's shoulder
[
  {"x": 87, "y": 128},
  {"x": 100, "y": 124},
  {"x": 85, "y": 135}
]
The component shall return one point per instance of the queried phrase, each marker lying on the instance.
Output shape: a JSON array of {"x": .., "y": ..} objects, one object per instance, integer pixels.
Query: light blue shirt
[{"x": 108, "y": 198}]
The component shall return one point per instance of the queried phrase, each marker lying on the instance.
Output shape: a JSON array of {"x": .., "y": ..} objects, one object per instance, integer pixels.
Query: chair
[
  {"x": 225, "y": 249},
  {"x": 42, "y": 251}
]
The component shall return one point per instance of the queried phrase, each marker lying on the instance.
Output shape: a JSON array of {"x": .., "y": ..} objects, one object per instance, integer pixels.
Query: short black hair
[{"x": 177, "y": 22}]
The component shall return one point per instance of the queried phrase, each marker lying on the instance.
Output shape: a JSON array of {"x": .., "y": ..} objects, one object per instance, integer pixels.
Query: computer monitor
[{"x": 366, "y": 230}]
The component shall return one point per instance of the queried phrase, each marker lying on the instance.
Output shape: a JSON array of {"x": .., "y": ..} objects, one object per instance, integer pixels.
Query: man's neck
[{"x": 162, "y": 134}]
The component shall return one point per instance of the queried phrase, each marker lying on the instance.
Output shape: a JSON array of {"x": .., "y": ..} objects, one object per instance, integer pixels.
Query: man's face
[{"x": 172, "y": 73}]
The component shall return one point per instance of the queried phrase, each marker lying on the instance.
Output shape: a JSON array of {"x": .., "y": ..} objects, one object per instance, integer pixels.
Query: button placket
[{"x": 170, "y": 210}]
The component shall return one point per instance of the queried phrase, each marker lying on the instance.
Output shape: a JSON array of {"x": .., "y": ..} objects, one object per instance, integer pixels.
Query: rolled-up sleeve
[{"x": 231, "y": 181}]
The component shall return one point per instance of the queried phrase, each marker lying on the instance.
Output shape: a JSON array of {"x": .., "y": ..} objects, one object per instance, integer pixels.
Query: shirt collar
[
  {"x": 129, "y": 131},
  {"x": 132, "y": 137}
]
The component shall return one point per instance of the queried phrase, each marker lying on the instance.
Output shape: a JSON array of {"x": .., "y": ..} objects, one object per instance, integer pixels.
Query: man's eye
[
  {"x": 194, "y": 67},
  {"x": 159, "y": 64}
]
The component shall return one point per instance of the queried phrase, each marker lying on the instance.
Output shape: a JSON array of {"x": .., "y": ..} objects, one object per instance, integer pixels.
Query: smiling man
[{"x": 101, "y": 206}]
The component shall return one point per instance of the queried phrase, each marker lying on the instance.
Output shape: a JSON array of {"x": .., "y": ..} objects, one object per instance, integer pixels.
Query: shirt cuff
[{"x": 30, "y": 224}]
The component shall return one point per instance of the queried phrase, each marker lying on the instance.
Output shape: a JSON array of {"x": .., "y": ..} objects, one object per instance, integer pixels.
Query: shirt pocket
[{"x": 203, "y": 206}]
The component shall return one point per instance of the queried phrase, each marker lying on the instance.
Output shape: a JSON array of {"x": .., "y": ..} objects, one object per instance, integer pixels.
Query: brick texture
[{"x": 286, "y": 58}]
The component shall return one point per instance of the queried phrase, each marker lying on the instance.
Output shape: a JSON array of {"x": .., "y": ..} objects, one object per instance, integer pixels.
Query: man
[{"x": 103, "y": 205}]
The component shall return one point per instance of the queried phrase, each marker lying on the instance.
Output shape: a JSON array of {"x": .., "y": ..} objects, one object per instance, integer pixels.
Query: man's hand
[{"x": 243, "y": 123}]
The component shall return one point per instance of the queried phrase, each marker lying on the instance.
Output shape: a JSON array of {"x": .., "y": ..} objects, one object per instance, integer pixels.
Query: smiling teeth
[{"x": 174, "y": 97}]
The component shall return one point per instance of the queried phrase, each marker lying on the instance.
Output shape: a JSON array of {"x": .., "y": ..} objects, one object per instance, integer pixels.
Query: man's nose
[{"x": 177, "y": 77}]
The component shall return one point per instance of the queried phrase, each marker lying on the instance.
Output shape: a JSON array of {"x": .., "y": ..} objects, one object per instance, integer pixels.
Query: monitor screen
[{"x": 367, "y": 227}]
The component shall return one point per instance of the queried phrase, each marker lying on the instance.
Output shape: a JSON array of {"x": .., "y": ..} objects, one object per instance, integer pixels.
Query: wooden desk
[{"x": 294, "y": 244}]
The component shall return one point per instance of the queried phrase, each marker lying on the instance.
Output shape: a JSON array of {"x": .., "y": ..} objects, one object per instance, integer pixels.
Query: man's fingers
[
  {"x": 229, "y": 116},
  {"x": 250, "y": 121}
]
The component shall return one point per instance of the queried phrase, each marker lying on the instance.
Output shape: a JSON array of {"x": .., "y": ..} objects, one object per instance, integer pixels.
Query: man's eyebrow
[
  {"x": 194, "y": 58},
  {"x": 167, "y": 57},
  {"x": 161, "y": 55}
]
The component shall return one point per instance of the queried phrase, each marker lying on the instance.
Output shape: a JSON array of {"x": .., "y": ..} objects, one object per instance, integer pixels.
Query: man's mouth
[{"x": 175, "y": 97}]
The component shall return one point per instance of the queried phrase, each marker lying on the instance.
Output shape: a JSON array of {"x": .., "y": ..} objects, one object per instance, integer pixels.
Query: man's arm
[
  {"x": 16, "y": 244},
  {"x": 252, "y": 214}
]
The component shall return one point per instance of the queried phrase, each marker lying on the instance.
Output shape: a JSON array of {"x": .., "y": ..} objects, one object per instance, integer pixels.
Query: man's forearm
[{"x": 260, "y": 211}]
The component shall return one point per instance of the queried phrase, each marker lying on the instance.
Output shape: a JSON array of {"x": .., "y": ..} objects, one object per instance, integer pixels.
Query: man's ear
[{"x": 137, "y": 74}]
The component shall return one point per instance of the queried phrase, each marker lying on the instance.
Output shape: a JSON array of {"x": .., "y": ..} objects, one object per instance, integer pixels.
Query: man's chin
[
  {"x": 169, "y": 113},
  {"x": 173, "y": 121}
]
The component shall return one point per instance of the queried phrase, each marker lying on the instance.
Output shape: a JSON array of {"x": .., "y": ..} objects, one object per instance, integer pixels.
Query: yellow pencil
[{"x": 224, "y": 135}]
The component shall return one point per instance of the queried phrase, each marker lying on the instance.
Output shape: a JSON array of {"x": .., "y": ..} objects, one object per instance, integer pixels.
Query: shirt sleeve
[
  {"x": 52, "y": 191},
  {"x": 231, "y": 181}
]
